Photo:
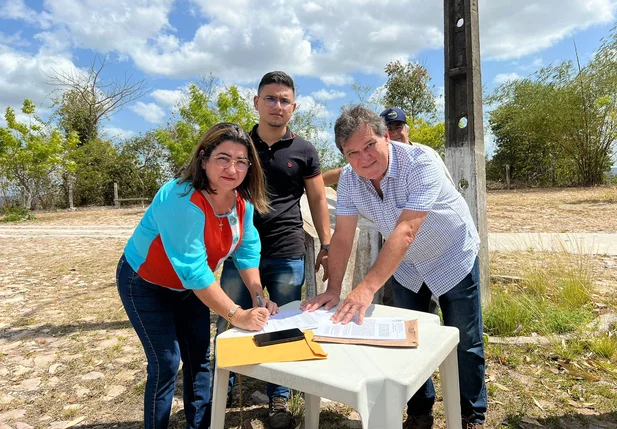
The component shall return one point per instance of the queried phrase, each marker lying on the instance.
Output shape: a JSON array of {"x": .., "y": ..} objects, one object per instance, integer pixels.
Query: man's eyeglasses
[
  {"x": 271, "y": 101},
  {"x": 226, "y": 162}
]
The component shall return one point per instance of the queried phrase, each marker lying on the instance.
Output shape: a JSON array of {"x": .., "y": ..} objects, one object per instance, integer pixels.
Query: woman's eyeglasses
[{"x": 226, "y": 162}]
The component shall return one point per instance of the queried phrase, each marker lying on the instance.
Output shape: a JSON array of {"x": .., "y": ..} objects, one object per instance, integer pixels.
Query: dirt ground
[
  {"x": 553, "y": 210},
  {"x": 69, "y": 357},
  {"x": 528, "y": 210}
]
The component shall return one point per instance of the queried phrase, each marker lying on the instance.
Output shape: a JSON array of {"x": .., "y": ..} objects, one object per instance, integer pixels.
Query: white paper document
[
  {"x": 298, "y": 319},
  {"x": 371, "y": 329}
]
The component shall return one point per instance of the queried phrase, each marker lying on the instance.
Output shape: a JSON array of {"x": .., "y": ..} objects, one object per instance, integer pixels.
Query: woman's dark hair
[{"x": 252, "y": 188}]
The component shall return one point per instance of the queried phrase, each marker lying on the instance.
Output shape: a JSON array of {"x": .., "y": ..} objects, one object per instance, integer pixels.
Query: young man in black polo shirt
[{"x": 291, "y": 166}]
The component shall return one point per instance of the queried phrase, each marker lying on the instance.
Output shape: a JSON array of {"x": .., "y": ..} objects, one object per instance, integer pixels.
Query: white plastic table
[{"x": 376, "y": 381}]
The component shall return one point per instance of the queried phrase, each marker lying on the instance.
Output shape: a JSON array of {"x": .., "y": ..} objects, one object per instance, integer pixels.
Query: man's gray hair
[{"x": 350, "y": 121}]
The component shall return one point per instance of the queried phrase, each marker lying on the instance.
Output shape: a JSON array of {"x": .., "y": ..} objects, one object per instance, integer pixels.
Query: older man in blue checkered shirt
[{"x": 431, "y": 247}]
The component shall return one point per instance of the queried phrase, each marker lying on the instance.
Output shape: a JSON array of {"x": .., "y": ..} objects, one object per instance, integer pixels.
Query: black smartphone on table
[{"x": 285, "y": 336}]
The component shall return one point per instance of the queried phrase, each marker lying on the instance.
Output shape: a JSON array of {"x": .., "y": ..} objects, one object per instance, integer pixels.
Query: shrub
[{"x": 16, "y": 214}]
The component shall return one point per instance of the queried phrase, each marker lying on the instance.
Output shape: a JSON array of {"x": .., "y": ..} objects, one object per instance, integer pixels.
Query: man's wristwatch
[
  {"x": 325, "y": 247},
  {"x": 232, "y": 311}
]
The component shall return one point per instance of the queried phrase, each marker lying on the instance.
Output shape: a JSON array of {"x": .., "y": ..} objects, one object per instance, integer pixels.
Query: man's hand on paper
[
  {"x": 356, "y": 302},
  {"x": 251, "y": 320},
  {"x": 327, "y": 300}
]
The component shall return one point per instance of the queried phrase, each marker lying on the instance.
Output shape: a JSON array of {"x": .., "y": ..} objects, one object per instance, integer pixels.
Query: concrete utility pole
[{"x": 464, "y": 126}]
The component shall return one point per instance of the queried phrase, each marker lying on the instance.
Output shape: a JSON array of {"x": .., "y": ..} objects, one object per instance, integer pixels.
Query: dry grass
[
  {"x": 603, "y": 268},
  {"x": 553, "y": 210}
]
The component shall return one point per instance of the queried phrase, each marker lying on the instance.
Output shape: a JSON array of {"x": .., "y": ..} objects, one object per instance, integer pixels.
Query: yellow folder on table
[{"x": 238, "y": 351}]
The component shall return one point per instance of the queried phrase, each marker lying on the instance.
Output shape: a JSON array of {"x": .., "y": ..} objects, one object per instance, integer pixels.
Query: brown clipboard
[{"x": 411, "y": 340}]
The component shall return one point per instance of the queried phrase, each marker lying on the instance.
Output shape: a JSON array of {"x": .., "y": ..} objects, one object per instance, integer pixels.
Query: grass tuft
[
  {"x": 554, "y": 297},
  {"x": 605, "y": 345}
]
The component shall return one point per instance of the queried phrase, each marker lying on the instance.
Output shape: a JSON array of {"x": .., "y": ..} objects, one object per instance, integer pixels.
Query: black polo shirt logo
[{"x": 289, "y": 164}]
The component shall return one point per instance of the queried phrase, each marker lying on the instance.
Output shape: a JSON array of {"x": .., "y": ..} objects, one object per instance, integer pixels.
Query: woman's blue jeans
[
  {"x": 461, "y": 307},
  {"x": 171, "y": 325},
  {"x": 281, "y": 277}
]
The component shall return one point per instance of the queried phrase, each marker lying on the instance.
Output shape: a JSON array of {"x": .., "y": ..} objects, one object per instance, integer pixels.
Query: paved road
[
  {"x": 596, "y": 243},
  {"x": 69, "y": 231},
  {"x": 605, "y": 244}
]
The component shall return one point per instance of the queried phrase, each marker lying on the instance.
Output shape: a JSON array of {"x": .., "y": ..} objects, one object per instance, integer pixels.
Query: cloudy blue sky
[{"x": 325, "y": 45}]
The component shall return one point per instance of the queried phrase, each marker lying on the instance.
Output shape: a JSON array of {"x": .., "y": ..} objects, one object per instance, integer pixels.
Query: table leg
[
  {"x": 448, "y": 373},
  {"x": 383, "y": 415},
  {"x": 219, "y": 398},
  {"x": 311, "y": 412}
]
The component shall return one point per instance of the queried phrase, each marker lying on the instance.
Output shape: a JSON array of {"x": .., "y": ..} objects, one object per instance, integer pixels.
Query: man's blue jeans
[
  {"x": 171, "y": 325},
  {"x": 461, "y": 308},
  {"x": 281, "y": 277}
]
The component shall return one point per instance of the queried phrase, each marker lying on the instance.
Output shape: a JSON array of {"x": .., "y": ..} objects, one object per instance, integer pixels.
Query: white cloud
[
  {"x": 151, "y": 112},
  {"x": 167, "y": 97},
  {"x": 54, "y": 42},
  {"x": 240, "y": 40},
  {"x": 248, "y": 93},
  {"x": 117, "y": 133},
  {"x": 21, "y": 117},
  {"x": 505, "y": 77},
  {"x": 440, "y": 103},
  {"x": 23, "y": 75},
  {"x": 17, "y": 10},
  {"x": 14, "y": 40},
  {"x": 325, "y": 95},
  {"x": 331, "y": 40},
  {"x": 515, "y": 29},
  {"x": 376, "y": 98},
  {"x": 337, "y": 79},
  {"x": 535, "y": 64},
  {"x": 167, "y": 42},
  {"x": 306, "y": 103},
  {"x": 113, "y": 25},
  {"x": 489, "y": 143},
  {"x": 325, "y": 136}
]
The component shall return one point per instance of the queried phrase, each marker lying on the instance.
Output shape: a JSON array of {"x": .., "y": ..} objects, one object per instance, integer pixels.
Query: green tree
[
  {"x": 202, "y": 108},
  {"x": 522, "y": 127},
  {"x": 595, "y": 91},
  {"x": 97, "y": 163},
  {"x": 308, "y": 124},
  {"x": 88, "y": 98},
  {"x": 143, "y": 166},
  {"x": 408, "y": 87},
  {"x": 139, "y": 166},
  {"x": 34, "y": 154},
  {"x": 77, "y": 112},
  {"x": 559, "y": 125},
  {"x": 430, "y": 134},
  {"x": 369, "y": 96}
]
